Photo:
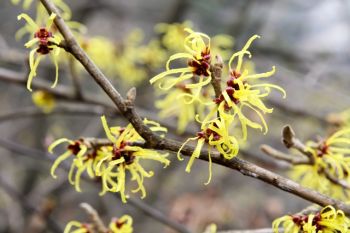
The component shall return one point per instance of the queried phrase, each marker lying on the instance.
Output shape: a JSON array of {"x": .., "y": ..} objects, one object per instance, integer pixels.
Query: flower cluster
[
  {"x": 327, "y": 220},
  {"x": 117, "y": 225},
  {"x": 218, "y": 115},
  {"x": 109, "y": 163},
  {"x": 331, "y": 162}
]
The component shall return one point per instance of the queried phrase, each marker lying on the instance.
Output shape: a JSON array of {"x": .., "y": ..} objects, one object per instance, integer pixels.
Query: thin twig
[
  {"x": 274, "y": 153},
  {"x": 62, "y": 110}
]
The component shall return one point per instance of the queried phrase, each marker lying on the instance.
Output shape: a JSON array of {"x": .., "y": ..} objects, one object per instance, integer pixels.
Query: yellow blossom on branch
[
  {"x": 330, "y": 161},
  {"x": 241, "y": 93},
  {"x": 198, "y": 60},
  {"x": 328, "y": 220},
  {"x": 125, "y": 155},
  {"x": 214, "y": 135},
  {"x": 46, "y": 44}
]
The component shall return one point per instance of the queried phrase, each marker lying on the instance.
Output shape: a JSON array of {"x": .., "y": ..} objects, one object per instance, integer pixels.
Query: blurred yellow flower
[
  {"x": 44, "y": 100},
  {"x": 64, "y": 8},
  {"x": 173, "y": 35},
  {"x": 330, "y": 158},
  {"x": 102, "y": 51}
]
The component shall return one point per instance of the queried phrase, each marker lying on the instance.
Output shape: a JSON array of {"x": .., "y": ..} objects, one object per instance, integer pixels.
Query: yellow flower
[
  {"x": 216, "y": 135},
  {"x": 221, "y": 45},
  {"x": 181, "y": 103},
  {"x": 212, "y": 228},
  {"x": 84, "y": 160},
  {"x": 102, "y": 51},
  {"x": 46, "y": 43},
  {"x": 328, "y": 220},
  {"x": 124, "y": 156},
  {"x": 79, "y": 227},
  {"x": 198, "y": 59},
  {"x": 44, "y": 101},
  {"x": 241, "y": 94},
  {"x": 173, "y": 35},
  {"x": 330, "y": 157},
  {"x": 151, "y": 55},
  {"x": 121, "y": 225}
]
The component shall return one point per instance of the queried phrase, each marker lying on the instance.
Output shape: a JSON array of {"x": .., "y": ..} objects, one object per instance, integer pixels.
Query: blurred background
[{"x": 307, "y": 41}]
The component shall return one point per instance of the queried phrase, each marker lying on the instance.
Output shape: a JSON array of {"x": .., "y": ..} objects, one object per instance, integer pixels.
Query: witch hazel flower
[
  {"x": 214, "y": 135},
  {"x": 125, "y": 155},
  {"x": 243, "y": 91},
  {"x": 198, "y": 60},
  {"x": 44, "y": 43}
]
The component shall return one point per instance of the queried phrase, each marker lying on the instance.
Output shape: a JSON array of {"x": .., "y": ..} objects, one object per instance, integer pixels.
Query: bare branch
[{"x": 283, "y": 156}]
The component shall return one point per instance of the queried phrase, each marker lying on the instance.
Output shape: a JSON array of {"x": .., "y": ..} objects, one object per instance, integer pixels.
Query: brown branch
[
  {"x": 157, "y": 142},
  {"x": 335, "y": 180}
]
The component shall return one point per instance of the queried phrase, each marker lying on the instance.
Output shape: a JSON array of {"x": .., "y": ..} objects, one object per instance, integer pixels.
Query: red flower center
[
  {"x": 121, "y": 152},
  {"x": 207, "y": 133},
  {"x": 43, "y": 35},
  {"x": 201, "y": 66}
]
